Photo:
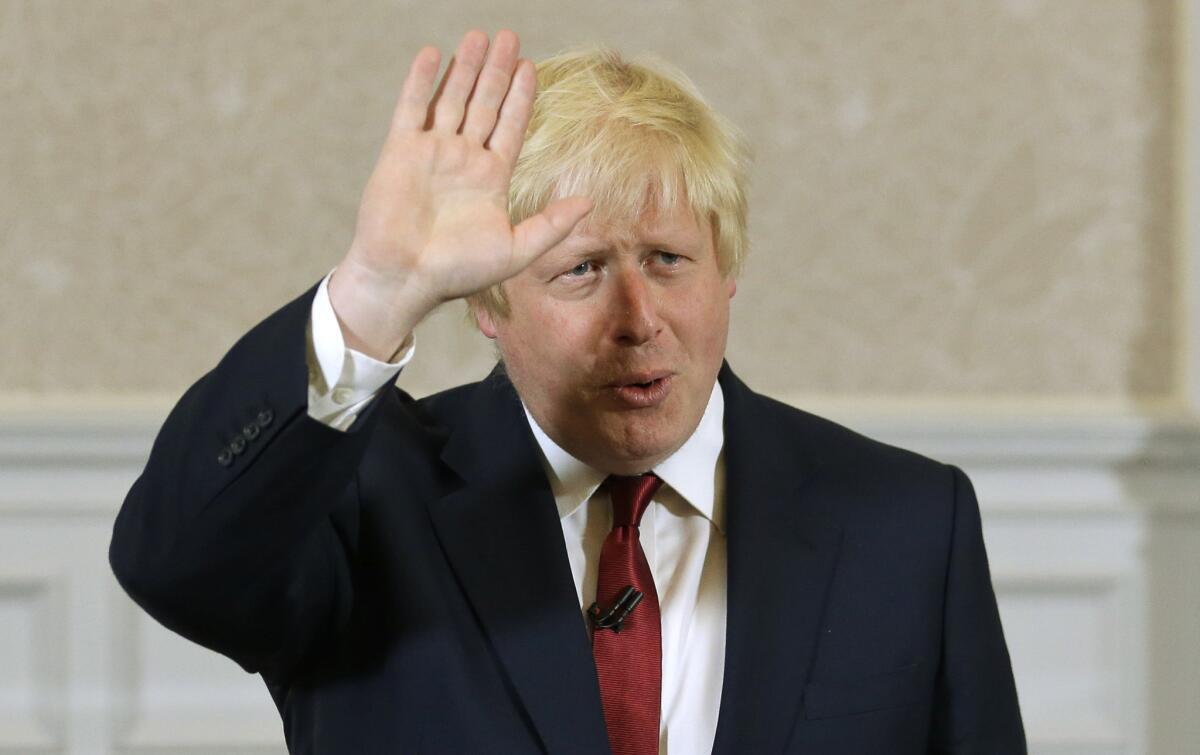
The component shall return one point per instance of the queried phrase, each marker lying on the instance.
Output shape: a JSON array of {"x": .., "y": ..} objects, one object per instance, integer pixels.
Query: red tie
[{"x": 627, "y": 644}]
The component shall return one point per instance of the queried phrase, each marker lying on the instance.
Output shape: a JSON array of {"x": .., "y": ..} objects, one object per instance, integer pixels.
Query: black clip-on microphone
[{"x": 613, "y": 618}]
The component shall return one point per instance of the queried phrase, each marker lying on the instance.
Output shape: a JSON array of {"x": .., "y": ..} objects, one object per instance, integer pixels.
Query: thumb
[{"x": 538, "y": 233}]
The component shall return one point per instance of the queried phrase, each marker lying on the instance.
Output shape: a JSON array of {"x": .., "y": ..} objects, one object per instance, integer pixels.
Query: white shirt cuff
[{"x": 341, "y": 381}]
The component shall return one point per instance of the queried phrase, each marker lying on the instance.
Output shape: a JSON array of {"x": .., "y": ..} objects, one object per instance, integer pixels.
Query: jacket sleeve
[
  {"x": 240, "y": 532},
  {"x": 975, "y": 709}
]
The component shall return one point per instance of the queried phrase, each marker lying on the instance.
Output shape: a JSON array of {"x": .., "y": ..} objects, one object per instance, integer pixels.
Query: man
[{"x": 610, "y": 544}]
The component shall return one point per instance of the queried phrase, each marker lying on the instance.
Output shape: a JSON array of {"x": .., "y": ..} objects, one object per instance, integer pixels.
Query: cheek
[
  {"x": 547, "y": 346},
  {"x": 703, "y": 329},
  {"x": 557, "y": 338}
]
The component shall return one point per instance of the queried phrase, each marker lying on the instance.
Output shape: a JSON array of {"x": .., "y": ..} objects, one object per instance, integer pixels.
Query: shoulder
[
  {"x": 835, "y": 444},
  {"x": 795, "y": 432},
  {"x": 825, "y": 455},
  {"x": 431, "y": 419},
  {"x": 493, "y": 395}
]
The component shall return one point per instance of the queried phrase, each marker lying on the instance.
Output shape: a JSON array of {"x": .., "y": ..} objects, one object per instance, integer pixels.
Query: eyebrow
[{"x": 647, "y": 240}]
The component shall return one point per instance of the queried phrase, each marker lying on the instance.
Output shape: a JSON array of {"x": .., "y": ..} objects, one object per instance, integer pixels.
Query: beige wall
[{"x": 952, "y": 201}]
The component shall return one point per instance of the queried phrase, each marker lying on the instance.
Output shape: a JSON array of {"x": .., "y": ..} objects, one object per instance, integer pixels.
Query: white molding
[
  {"x": 1081, "y": 465},
  {"x": 1072, "y": 505},
  {"x": 72, "y": 464},
  {"x": 233, "y": 714},
  {"x": 40, "y": 729},
  {"x": 108, "y": 440},
  {"x": 82, "y": 464}
]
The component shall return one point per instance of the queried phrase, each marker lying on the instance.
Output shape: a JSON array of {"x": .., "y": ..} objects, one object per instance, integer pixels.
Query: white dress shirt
[{"x": 682, "y": 531}]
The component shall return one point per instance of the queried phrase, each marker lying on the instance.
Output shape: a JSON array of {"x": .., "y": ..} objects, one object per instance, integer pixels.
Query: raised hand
[{"x": 433, "y": 221}]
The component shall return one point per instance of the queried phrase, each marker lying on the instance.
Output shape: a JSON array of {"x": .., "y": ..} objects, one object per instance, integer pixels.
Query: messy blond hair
[{"x": 632, "y": 136}]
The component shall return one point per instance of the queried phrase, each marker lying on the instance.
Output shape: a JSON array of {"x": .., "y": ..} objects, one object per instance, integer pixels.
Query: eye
[
  {"x": 669, "y": 258},
  {"x": 580, "y": 270}
]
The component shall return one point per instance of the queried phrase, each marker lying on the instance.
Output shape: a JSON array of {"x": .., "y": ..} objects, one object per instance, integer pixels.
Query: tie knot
[{"x": 630, "y": 497}]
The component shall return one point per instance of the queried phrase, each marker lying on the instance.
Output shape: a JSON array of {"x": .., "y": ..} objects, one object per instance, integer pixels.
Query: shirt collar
[{"x": 691, "y": 471}]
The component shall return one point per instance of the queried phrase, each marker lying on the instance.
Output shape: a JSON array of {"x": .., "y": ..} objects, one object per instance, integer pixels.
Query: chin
[
  {"x": 636, "y": 453},
  {"x": 633, "y": 464}
]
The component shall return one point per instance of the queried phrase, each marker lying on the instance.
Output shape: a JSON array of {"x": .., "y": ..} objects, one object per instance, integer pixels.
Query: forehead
[{"x": 676, "y": 223}]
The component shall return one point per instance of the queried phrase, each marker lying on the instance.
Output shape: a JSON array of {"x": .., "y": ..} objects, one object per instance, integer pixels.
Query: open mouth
[{"x": 644, "y": 393}]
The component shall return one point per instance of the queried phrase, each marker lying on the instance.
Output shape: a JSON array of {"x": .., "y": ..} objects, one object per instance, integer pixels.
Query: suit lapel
[
  {"x": 781, "y": 559},
  {"x": 502, "y": 536}
]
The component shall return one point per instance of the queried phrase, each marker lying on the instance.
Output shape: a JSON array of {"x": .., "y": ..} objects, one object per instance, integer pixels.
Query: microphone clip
[{"x": 615, "y": 616}]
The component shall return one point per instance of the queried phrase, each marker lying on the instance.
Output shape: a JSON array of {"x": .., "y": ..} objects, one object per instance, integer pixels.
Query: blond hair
[{"x": 632, "y": 136}]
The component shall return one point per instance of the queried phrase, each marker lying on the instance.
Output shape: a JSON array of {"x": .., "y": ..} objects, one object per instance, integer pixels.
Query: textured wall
[{"x": 952, "y": 199}]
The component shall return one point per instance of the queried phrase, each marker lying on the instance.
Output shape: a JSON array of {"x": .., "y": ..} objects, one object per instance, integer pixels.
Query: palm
[
  {"x": 453, "y": 201},
  {"x": 435, "y": 208}
]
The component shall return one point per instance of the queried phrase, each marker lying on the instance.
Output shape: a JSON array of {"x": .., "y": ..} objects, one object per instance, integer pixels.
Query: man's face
[{"x": 616, "y": 335}]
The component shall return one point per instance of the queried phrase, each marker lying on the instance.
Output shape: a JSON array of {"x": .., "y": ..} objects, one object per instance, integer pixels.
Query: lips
[
  {"x": 641, "y": 377},
  {"x": 642, "y": 390}
]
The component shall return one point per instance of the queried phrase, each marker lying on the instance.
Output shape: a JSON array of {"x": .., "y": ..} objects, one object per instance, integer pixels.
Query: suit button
[
  {"x": 251, "y": 431},
  {"x": 225, "y": 458},
  {"x": 265, "y": 417},
  {"x": 238, "y": 444}
]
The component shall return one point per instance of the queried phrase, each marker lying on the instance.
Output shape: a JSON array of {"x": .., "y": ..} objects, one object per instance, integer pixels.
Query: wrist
[{"x": 376, "y": 314}]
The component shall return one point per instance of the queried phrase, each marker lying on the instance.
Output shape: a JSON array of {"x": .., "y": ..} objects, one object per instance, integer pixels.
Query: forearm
[{"x": 236, "y": 513}]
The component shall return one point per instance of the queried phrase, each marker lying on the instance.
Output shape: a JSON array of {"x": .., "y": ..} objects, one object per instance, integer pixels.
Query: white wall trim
[
  {"x": 86, "y": 466},
  {"x": 1092, "y": 525}
]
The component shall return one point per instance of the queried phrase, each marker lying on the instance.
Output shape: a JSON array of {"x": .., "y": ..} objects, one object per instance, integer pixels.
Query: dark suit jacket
[{"x": 404, "y": 586}]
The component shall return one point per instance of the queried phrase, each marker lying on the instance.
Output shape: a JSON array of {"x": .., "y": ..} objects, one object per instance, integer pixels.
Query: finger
[
  {"x": 460, "y": 76},
  {"x": 509, "y": 134},
  {"x": 537, "y": 234},
  {"x": 412, "y": 108},
  {"x": 491, "y": 87}
]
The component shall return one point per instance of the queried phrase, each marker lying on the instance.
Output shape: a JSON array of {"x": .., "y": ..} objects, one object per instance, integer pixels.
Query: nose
[{"x": 636, "y": 318}]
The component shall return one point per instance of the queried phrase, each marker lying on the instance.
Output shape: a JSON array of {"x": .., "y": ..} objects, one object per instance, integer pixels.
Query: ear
[
  {"x": 731, "y": 285},
  {"x": 485, "y": 321}
]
